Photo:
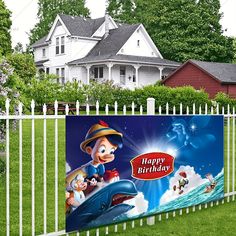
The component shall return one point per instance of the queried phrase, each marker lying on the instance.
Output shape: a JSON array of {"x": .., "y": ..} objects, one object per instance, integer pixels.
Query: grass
[{"x": 211, "y": 221}]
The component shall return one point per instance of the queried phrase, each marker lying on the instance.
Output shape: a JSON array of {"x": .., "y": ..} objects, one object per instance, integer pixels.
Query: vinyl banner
[{"x": 124, "y": 167}]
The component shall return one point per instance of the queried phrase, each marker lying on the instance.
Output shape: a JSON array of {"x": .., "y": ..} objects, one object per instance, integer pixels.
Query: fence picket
[
  {"x": 56, "y": 164},
  {"x": 107, "y": 109},
  {"x": 133, "y": 108},
  {"x": 116, "y": 108},
  {"x": 228, "y": 151},
  {"x": 77, "y": 107},
  {"x": 20, "y": 170},
  {"x": 32, "y": 170},
  {"x": 45, "y": 168},
  {"x": 233, "y": 153},
  {"x": 7, "y": 105},
  {"x": 97, "y": 108}
]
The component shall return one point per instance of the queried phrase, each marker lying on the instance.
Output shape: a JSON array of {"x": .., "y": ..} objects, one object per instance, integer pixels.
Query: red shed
[{"x": 211, "y": 76}]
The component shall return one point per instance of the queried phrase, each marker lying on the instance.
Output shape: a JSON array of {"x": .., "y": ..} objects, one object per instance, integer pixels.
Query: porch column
[
  {"x": 137, "y": 75},
  {"x": 109, "y": 65},
  {"x": 88, "y": 73},
  {"x": 160, "y": 69}
]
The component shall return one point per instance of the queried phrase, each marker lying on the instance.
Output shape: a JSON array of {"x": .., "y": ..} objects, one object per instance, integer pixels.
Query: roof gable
[
  {"x": 114, "y": 41},
  {"x": 145, "y": 48}
]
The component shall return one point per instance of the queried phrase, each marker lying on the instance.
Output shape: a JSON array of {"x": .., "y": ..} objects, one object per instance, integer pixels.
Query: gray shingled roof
[
  {"x": 125, "y": 59},
  {"x": 114, "y": 41},
  {"x": 41, "y": 42},
  {"x": 40, "y": 63},
  {"x": 224, "y": 72},
  {"x": 79, "y": 26}
]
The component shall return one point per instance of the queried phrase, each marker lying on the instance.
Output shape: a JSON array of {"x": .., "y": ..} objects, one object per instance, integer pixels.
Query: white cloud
[
  {"x": 140, "y": 205},
  {"x": 194, "y": 179}
]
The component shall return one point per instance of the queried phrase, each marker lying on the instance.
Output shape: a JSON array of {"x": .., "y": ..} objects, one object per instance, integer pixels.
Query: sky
[{"x": 24, "y": 16}]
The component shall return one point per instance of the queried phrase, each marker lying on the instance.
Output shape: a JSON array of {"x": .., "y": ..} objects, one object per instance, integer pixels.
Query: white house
[{"x": 82, "y": 49}]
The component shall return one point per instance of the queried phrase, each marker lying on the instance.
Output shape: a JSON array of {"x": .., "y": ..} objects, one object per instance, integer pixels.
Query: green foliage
[
  {"x": 23, "y": 65},
  {"x": 72, "y": 92},
  {"x": 224, "y": 100},
  {"x": 49, "y": 9},
  {"x": 102, "y": 92},
  {"x": 44, "y": 90},
  {"x": 181, "y": 29},
  {"x": 5, "y": 25},
  {"x": 2, "y": 167}
]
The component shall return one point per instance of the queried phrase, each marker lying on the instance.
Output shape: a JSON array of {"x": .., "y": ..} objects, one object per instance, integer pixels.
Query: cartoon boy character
[
  {"x": 101, "y": 141},
  {"x": 76, "y": 197}
]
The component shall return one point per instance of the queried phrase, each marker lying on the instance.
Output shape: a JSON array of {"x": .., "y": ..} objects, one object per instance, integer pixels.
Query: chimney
[
  {"x": 106, "y": 20},
  {"x": 106, "y": 25}
]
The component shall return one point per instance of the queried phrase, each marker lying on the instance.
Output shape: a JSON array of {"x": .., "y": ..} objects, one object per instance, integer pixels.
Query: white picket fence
[{"x": 229, "y": 115}]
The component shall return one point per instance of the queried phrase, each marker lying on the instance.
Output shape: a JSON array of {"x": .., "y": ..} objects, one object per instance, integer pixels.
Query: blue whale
[{"x": 102, "y": 207}]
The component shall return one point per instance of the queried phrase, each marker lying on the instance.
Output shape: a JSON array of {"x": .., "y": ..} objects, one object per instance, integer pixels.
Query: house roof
[
  {"x": 80, "y": 26},
  {"x": 224, "y": 72},
  {"x": 41, "y": 42},
  {"x": 77, "y": 26},
  {"x": 40, "y": 63},
  {"x": 124, "y": 58},
  {"x": 114, "y": 41}
]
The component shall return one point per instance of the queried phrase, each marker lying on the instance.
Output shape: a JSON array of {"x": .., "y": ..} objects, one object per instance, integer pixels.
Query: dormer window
[
  {"x": 138, "y": 43},
  {"x": 60, "y": 45}
]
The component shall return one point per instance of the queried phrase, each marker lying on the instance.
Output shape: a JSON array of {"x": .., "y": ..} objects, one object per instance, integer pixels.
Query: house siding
[
  {"x": 232, "y": 91},
  {"x": 193, "y": 76}
]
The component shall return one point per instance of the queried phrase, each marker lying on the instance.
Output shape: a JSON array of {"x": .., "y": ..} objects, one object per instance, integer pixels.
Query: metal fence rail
[{"x": 229, "y": 117}]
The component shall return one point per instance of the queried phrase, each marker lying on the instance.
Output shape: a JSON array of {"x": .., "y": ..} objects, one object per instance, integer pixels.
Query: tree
[
  {"x": 48, "y": 10},
  {"x": 181, "y": 29},
  {"x": 5, "y": 25},
  {"x": 23, "y": 65},
  {"x": 19, "y": 48}
]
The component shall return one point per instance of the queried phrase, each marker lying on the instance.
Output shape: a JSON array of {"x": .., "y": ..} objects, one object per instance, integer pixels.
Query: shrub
[
  {"x": 44, "y": 90},
  {"x": 224, "y": 100},
  {"x": 72, "y": 92},
  {"x": 2, "y": 167},
  {"x": 102, "y": 92}
]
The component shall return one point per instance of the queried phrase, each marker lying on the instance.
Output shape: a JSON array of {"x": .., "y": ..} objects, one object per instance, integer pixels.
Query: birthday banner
[{"x": 125, "y": 167}]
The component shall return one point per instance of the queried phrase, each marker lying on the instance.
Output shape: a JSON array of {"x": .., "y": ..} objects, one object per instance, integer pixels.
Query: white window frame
[{"x": 60, "y": 45}]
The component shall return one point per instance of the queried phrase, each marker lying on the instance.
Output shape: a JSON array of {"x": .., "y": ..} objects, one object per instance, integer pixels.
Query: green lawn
[{"x": 220, "y": 218}]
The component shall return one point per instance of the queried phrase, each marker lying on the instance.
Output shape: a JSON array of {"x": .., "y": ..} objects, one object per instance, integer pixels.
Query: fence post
[
  {"x": 150, "y": 106},
  {"x": 7, "y": 105},
  {"x": 151, "y": 111}
]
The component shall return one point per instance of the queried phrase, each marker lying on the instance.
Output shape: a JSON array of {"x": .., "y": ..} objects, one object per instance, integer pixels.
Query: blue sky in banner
[{"x": 199, "y": 145}]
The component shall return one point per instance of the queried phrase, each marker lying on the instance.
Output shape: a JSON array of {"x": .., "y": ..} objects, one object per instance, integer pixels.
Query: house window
[
  {"x": 62, "y": 44},
  {"x": 138, "y": 43},
  {"x": 63, "y": 75},
  {"x": 44, "y": 52},
  {"x": 60, "y": 72},
  {"x": 57, "y": 46},
  {"x": 122, "y": 74},
  {"x": 58, "y": 75},
  {"x": 98, "y": 72},
  {"x": 47, "y": 70}
]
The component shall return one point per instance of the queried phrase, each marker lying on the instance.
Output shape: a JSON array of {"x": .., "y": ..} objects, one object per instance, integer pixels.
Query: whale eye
[
  {"x": 102, "y": 149},
  {"x": 103, "y": 206}
]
